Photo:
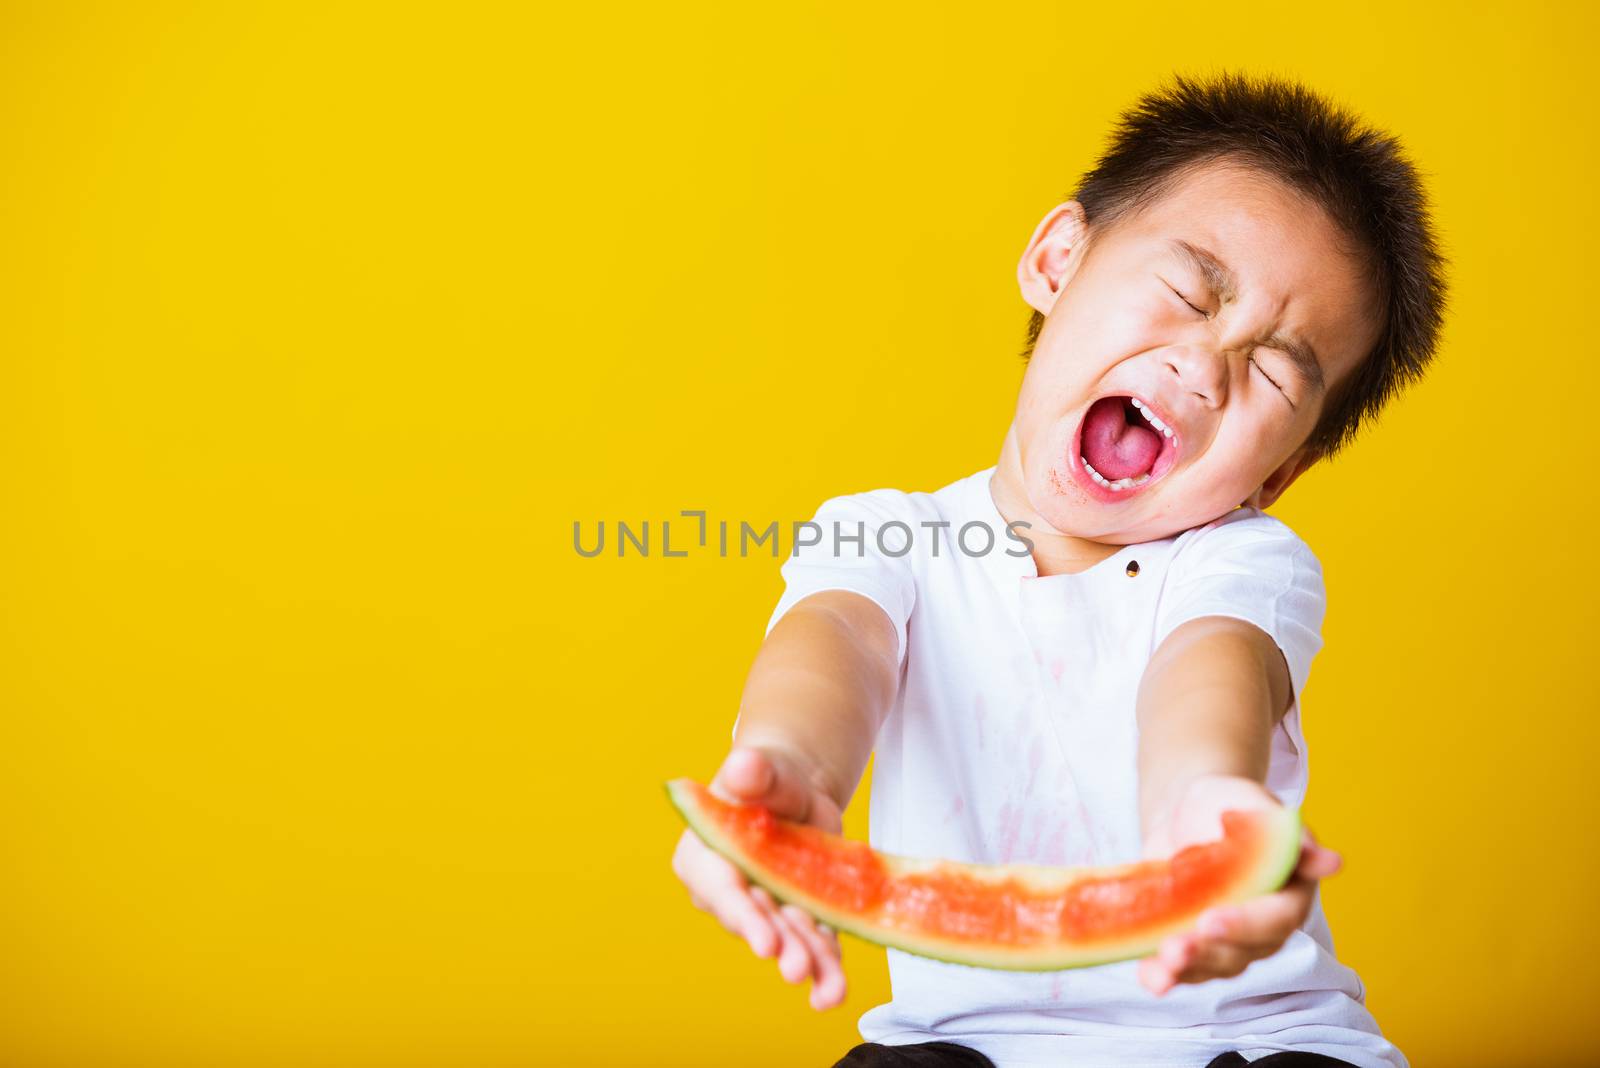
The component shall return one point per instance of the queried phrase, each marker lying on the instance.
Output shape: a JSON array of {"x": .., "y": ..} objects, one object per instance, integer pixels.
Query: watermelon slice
[{"x": 1017, "y": 917}]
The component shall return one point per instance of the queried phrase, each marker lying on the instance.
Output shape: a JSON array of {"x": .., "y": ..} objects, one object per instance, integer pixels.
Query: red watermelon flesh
[{"x": 1019, "y": 917}]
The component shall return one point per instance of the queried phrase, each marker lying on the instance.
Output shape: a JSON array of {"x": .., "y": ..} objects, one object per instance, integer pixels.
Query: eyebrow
[{"x": 1224, "y": 286}]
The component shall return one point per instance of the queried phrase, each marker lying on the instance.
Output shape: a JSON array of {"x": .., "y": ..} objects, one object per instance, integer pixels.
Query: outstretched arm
[
  {"x": 820, "y": 687},
  {"x": 1209, "y": 700}
]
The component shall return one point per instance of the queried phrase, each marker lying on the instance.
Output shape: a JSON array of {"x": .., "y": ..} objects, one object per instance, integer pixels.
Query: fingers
[
  {"x": 827, "y": 978},
  {"x": 806, "y": 952},
  {"x": 1208, "y": 959},
  {"x": 1160, "y": 973},
  {"x": 1227, "y": 939},
  {"x": 1188, "y": 958},
  {"x": 1154, "y": 976},
  {"x": 759, "y": 777},
  {"x": 794, "y": 956},
  {"x": 717, "y": 887},
  {"x": 1262, "y": 923},
  {"x": 1316, "y": 861},
  {"x": 772, "y": 779}
]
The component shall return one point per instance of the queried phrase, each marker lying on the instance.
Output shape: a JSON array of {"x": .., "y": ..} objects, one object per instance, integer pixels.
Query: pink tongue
[{"x": 1116, "y": 448}]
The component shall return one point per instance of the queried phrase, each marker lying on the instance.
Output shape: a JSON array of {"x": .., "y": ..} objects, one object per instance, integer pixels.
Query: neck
[{"x": 1054, "y": 553}]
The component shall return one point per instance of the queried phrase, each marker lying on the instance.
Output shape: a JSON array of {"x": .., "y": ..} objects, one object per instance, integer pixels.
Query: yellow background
[{"x": 319, "y": 327}]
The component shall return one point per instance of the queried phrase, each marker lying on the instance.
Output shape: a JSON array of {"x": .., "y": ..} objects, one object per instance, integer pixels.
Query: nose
[{"x": 1201, "y": 371}]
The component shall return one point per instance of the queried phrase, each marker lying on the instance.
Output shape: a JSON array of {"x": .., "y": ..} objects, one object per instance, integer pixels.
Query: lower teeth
[{"x": 1119, "y": 484}]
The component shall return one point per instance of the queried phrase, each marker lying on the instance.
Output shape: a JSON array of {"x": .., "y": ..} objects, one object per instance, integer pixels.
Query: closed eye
[
  {"x": 1180, "y": 296},
  {"x": 1264, "y": 374}
]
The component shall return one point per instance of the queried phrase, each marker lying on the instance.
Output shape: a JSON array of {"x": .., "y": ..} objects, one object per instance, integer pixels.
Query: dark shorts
[{"x": 950, "y": 1055}]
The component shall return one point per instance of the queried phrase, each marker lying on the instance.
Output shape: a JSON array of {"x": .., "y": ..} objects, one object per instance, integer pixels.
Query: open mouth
[{"x": 1122, "y": 445}]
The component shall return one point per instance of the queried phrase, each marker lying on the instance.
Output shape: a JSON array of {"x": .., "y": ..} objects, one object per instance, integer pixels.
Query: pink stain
[
  {"x": 1055, "y": 847},
  {"x": 1035, "y": 759},
  {"x": 1010, "y": 829},
  {"x": 1077, "y": 848},
  {"x": 1082, "y": 850},
  {"x": 957, "y": 805},
  {"x": 1058, "y": 667},
  {"x": 1055, "y": 988}
]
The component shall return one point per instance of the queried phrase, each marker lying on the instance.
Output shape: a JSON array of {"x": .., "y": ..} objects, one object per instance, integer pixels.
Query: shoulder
[
  {"x": 1249, "y": 564},
  {"x": 1244, "y": 535},
  {"x": 876, "y": 544}
]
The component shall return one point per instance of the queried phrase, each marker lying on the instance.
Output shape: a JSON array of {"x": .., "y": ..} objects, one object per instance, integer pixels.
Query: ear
[
  {"x": 1281, "y": 479},
  {"x": 1049, "y": 260}
]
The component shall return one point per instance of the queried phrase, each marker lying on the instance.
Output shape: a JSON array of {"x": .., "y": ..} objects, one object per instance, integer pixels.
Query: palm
[
  {"x": 1228, "y": 938},
  {"x": 1196, "y": 815}
]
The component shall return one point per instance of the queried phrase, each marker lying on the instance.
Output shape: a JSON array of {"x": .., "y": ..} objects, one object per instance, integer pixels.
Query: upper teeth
[{"x": 1151, "y": 418}]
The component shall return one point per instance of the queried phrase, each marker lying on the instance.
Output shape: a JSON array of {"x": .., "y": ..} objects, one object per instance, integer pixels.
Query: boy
[{"x": 1244, "y": 279}]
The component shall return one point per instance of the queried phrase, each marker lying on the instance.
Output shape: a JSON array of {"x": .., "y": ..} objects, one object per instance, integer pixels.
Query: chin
[
  {"x": 1069, "y": 510},
  {"x": 1074, "y": 510}
]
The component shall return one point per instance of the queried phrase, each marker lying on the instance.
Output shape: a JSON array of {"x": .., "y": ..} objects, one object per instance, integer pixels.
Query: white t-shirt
[{"x": 1014, "y": 740}]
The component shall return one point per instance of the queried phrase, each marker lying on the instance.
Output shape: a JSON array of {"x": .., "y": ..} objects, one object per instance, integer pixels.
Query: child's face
[{"x": 1285, "y": 316}]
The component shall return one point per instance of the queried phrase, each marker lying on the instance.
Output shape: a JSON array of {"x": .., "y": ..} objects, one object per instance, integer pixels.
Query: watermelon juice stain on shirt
[{"x": 1014, "y": 740}]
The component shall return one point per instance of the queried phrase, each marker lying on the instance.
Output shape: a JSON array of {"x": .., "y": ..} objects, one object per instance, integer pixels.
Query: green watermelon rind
[{"x": 1271, "y": 871}]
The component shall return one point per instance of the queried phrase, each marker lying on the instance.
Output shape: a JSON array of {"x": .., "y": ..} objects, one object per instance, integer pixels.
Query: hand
[
  {"x": 803, "y": 947},
  {"x": 1228, "y": 938}
]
